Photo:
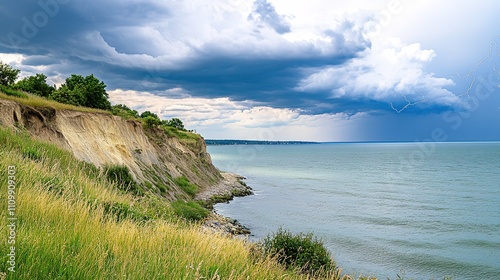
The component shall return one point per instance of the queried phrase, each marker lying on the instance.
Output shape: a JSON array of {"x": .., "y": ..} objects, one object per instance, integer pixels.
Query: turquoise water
[{"x": 423, "y": 210}]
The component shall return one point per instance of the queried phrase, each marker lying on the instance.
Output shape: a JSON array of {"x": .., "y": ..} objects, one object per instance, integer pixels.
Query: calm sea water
[{"x": 426, "y": 211}]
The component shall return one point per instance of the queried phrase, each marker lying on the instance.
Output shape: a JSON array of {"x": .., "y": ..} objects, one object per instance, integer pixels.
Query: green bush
[
  {"x": 186, "y": 186},
  {"x": 303, "y": 252},
  {"x": 150, "y": 122},
  {"x": 162, "y": 188},
  {"x": 120, "y": 175},
  {"x": 146, "y": 114},
  {"x": 124, "y": 111},
  {"x": 190, "y": 210}
]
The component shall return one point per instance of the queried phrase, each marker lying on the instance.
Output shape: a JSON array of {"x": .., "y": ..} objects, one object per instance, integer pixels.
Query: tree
[
  {"x": 177, "y": 123},
  {"x": 96, "y": 95},
  {"x": 150, "y": 119},
  {"x": 36, "y": 84},
  {"x": 67, "y": 96},
  {"x": 151, "y": 122},
  {"x": 146, "y": 114},
  {"x": 86, "y": 91},
  {"x": 8, "y": 75}
]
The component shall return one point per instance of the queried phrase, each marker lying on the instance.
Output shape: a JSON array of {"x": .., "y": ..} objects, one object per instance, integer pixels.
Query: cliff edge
[{"x": 155, "y": 158}]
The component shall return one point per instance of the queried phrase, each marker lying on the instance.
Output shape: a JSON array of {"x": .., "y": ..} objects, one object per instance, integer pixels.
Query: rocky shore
[
  {"x": 231, "y": 186},
  {"x": 220, "y": 224}
]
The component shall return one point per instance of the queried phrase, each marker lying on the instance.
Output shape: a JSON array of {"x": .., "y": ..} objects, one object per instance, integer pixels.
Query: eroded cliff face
[{"x": 153, "y": 157}]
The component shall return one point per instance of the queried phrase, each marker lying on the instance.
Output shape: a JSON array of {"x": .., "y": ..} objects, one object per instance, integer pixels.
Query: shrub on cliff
[
  {"x": 186, "y": 186},
  {"x": 189, "y": 210},
  {"x": 124, "y": 111},
  {"x": 121, "y": 176},
  {"x": 146, "y": 114},
  {"x": 151, "y": 122},
  {"x": 303, "y": 252}
]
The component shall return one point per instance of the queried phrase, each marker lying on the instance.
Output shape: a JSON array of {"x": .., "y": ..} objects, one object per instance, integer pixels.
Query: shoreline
[{"x": 226, "y": 190}]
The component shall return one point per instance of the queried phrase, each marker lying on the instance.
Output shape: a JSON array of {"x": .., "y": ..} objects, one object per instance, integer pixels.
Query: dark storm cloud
[
  {"x": 102, "y": 37},
  {"x": 143, "y": 47},
  {"x": 40, "y": 26},
  {"x": 37, "y": 60}
]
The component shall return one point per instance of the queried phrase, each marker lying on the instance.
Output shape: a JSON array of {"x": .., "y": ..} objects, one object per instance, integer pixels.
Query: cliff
[{"x": 154, "y": 157}]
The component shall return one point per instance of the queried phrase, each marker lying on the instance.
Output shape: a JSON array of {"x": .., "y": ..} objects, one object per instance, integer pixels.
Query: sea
[{"x": 388, "y": 210}]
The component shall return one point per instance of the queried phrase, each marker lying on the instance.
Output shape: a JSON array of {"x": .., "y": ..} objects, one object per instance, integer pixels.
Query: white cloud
[
  {"x": 385, "y": 73},
  {"x": 226, "y": 119},
  {"x": 12, "y": 59},
  {"x": 261, "y": 116}
]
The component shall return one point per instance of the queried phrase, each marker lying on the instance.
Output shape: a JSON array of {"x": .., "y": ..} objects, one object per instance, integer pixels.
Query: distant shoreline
[{"x": 216, "y": 142}]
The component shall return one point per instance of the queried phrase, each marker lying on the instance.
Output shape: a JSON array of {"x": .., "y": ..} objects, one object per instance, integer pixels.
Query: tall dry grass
[{"x": 38, "y": 101}]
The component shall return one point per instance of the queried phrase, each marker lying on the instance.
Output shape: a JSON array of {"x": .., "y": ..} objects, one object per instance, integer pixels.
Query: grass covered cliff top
[{"x": 41, "y": 102}]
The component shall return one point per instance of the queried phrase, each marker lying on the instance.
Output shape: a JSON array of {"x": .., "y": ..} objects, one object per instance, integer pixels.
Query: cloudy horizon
[{"x": 275, "y": 70}]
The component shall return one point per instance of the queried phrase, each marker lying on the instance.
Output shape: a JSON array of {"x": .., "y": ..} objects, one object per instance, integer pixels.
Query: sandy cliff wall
[{"x": 154, "y": 158}]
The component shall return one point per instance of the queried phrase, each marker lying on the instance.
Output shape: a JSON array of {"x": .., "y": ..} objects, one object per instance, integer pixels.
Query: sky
[{"x": 316, "y": 70}]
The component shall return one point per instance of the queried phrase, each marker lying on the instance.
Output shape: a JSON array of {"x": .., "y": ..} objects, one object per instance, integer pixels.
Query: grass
[
  {"x": 32, "y": 154},
  {"x": 121, "y": 176},
  {"x": 189, "y": 210},
  {"x": 188, "y": 138},
  {"x": 72, "y": 223},
  {"x": 13, "y": 92},
  {"x": 41, "y": 102}
]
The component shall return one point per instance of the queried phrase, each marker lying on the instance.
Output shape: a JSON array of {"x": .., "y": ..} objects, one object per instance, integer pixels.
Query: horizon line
[{"x": 352, "y": 142}]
